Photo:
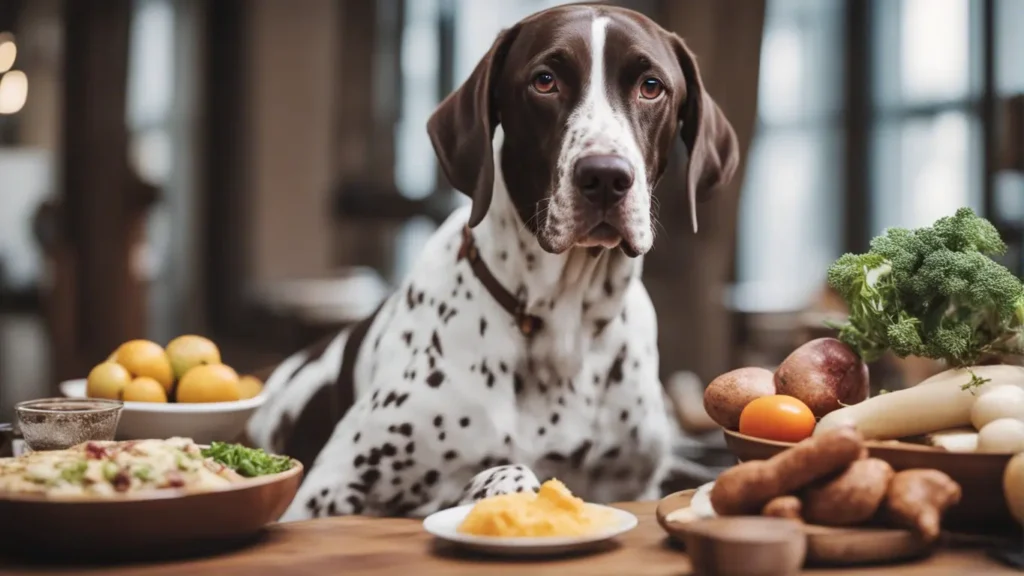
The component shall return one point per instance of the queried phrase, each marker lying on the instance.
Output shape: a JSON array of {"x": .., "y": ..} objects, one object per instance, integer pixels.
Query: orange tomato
[{"x": 779, "y": 417}]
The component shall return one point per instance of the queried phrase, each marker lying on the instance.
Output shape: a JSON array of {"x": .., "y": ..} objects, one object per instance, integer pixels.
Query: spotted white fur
[
  {"x": 453, "y": 403},
  {"x": 595, "y": 127}
]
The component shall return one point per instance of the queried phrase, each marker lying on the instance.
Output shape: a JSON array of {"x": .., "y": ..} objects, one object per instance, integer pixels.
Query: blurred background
[{"x": 258, "y": 170}]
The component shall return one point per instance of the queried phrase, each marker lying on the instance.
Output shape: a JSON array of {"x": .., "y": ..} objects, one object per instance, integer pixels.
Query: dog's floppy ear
[
  {"x": 462, "y": 127},
  {"x": 709, "y": 138}
]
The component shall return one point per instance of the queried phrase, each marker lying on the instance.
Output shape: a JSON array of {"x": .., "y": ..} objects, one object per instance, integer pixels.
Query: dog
[{"x": 523, "y": 344}]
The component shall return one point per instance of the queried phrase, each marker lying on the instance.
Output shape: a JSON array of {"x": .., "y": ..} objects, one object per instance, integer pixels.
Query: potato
[
  {"x": 825, "y": 374},
  {"x": 727, "y": 396},
  {"x": 1004, "y": 401}
]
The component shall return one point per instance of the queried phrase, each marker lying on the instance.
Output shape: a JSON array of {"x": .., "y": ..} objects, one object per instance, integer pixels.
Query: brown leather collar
[{"x": 516, "y": 306}]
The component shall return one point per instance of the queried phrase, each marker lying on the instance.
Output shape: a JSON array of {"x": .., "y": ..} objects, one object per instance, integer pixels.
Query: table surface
[{"x": 370, "y": 546}]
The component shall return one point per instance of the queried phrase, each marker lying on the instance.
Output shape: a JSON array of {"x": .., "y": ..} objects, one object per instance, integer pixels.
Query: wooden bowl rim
[
  {"x": 895, "y": 446},
  {"x": 153, "y": 495}
]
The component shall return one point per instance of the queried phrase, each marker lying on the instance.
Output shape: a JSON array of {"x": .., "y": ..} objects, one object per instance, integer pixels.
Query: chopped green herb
[
  {"x": 109, "y": 471},
  {"x": 144, "y": 473},
  {"x": 74, "y": 473},
  {"x": 975, "y": 382},
  {"x": 248, "y": 462}
]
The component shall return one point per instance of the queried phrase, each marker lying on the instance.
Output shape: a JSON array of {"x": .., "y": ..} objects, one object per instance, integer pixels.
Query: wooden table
[{"x": 356, "y": 545}]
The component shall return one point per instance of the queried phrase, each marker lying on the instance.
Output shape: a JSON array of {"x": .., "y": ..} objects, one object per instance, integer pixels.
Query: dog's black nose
[{"x": 603, "y": 179}]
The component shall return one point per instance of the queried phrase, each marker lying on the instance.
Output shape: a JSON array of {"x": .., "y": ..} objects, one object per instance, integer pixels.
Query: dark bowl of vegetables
[{"x": 174, "y": 510}]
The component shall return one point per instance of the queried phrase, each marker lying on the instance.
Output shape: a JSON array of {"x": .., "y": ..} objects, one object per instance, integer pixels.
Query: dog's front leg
[{"x": 499, "y": 480}]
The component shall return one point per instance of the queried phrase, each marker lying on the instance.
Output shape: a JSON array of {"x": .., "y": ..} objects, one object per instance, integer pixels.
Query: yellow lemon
[
  {"x": 250, "y": 386},
  {"x": 145, "y": 358},
  {"x": 187, "y": 352},
  {"x": 107, "y": 380},
  {"x": 209, "y": 383},
  {"x": 144, "y": 390}
]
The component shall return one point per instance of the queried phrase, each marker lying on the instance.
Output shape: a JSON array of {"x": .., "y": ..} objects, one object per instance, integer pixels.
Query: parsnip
[{"x": 938, "y": 403}]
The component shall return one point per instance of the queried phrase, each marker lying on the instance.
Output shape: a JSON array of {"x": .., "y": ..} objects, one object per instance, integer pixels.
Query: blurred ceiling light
[
  {"x": 13, "y": 91},
  {"x": 8, "y": 51}
]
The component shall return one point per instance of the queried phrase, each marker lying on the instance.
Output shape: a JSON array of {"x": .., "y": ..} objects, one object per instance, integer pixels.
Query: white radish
[
  {"x": 956, "y": 440},
  {"x": 1003, "y": 436},
  {"x": 1004, "y": 401},
  {"x": 941, "y": 402}
]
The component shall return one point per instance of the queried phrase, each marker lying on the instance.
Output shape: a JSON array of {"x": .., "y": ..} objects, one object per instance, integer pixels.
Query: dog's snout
[{"x": 603, "y": 179}]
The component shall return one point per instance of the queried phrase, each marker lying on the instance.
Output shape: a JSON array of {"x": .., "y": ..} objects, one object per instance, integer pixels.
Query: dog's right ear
[{"x": 462, "y": 127}]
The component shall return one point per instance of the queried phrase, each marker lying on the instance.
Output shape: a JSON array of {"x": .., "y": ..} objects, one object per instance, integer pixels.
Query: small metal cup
[{"x": 60, "y": 423}]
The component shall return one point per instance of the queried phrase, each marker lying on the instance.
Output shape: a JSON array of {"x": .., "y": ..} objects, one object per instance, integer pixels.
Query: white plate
[
  {"x": 202, "y": 422},
  {"x": 445, "y": 524}
]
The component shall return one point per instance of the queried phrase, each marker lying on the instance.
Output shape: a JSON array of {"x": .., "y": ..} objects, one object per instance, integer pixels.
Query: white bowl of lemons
[{"x": 182, "y": 389}]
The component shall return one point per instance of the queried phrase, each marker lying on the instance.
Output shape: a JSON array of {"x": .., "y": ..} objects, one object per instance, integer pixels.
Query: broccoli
[{"x": 932, "y": 292}]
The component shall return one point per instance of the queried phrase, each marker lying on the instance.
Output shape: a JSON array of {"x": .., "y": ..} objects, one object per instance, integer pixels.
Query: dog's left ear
[
  {"x": 709, "y": 138},
  {"x": 462, "y": 127}
]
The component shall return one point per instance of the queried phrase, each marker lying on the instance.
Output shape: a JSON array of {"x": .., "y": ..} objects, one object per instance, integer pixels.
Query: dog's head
[{"x": 590, "y": 99}]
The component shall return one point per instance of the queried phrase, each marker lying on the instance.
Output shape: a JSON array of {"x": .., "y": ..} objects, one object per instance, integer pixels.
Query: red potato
[
  {"x": 825, "y": 374},
  {"x": 727, "y": 396}
]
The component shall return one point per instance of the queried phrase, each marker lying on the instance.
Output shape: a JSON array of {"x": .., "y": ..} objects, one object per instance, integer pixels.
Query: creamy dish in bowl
[{"x": 107, "y": 469}]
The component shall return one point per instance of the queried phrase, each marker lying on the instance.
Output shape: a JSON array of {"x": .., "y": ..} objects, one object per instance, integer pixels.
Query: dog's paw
[{"x": 499, "y": 480}]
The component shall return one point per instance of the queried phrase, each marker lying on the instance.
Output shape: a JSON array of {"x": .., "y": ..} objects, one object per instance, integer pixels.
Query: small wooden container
[{"x": 745, "y": 546}]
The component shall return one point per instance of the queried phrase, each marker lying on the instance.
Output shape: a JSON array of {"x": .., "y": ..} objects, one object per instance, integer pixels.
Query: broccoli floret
[{"x": 933, "y": 292}]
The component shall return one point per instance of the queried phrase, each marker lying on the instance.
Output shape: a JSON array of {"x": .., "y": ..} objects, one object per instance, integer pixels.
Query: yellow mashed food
[{"x": 553, "y": 511}]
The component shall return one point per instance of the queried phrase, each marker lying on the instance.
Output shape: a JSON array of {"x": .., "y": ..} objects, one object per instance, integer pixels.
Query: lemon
[
  {"x": 209, "y": 383},
  {"x": 250, "y": 386},
  {"x": 107, "y": 380},
  {"x": 144, "y": 389},
  {"x": 145, "y": 358},
  {"x": 187, "y": 352}
]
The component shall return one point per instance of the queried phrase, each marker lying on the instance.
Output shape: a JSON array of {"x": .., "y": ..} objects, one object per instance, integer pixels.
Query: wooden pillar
[
  {"x": 688, "y": 274},
  {"x": 103, "y": 204}
]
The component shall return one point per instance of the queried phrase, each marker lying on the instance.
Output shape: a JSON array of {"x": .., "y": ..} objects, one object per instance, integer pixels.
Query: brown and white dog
[{"x": 523, "y": 344}]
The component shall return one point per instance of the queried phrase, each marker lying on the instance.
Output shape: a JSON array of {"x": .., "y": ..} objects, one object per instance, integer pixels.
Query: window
[
  {"x": 926, "y": 133},
  {"x": 790, "y": 224}
]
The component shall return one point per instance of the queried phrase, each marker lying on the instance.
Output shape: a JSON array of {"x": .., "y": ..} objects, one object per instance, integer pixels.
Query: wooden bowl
[
  {"x": 744, "y": 546},
  {"x": 144, "y": 525},
  {"x": 826, "y": 546},
  {"x": 982, "y": 508}
]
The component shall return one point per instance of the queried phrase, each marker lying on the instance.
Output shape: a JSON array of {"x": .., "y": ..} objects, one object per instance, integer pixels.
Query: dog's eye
[
  {"x": 545, "y": 83},
  {"x": 651, "y": 88}
]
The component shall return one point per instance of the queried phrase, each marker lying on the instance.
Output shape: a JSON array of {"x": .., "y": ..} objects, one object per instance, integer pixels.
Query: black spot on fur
[
  {"x": 359, "y": 461},
  {"x": 430, "y": 478},
  {"x": 487, "y": 462},
  {"x": 555, "y": 457},
  {"x": 405, "y": 429},
  {"x": 469, "y": 295},
  {"x": 624, "y": 415},
  {"x": 611, "y": 453},
  {"x": 577, "y": 455},
  {"x": 416, "y": 488},
  {"x": 435, "y": 342},
  {"x": 483, "y": 326},
  {"x": 634, "y": 432},
  {"x": 554, "y": 418},
  {"x": 441, "y": 436},
  {"x": 356, "y": 504},
  {"x": 541, "y": 431},
  {"x": 458, "y": 278},
  {"x": 389, "y": 449},
  {"x": 435, "y": 379},
  {"x": 410, "y": 447},
  {"x": 390, "y": 398},
  {"x": 517, "y": 382},
  {"x": 608, "y": 288},
  {"x": 508, "y": 439},
  {"x": 332, "y": 509},
  {"x": 409, "y": 298},
  {"x": 357, "y": 437},
  {"x": 615, "y": 371},
  {"x": 451, "y": 455},
  {"x": 438, "y": 420},
  {"x": 370, "y": 477},
  {"x": 561, "y": 401},
  {"x": 407, "y": 338},
  {"x": 374, "y": 458},
  {"x": 442, "y": 309},
  {"x": 503, "y": 255},
  {"x": 323, "y": 493},
  {"x": 586, "y": 306},
  {"x": 599, "y": 325},
  {"x": 503, "y": 367},
  {"x": 397, "y": 480},
  {"x": 464, "y": 421},
  {"x": 401, "y": 399},
  {"x": 397, "y": 465}
]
